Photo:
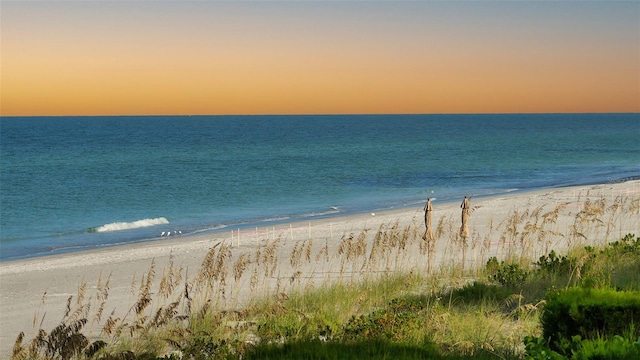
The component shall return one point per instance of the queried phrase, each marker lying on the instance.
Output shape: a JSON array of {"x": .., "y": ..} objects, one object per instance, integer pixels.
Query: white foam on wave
[
  {"x": 116, "y": 226},
  {"x": 332, "y": 210}
]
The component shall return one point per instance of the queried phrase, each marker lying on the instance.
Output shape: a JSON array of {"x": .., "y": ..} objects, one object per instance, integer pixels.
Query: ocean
[{"x": 76, "y": 183}]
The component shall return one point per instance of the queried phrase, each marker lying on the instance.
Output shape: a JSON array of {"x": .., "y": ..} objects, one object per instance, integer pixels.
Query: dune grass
[{"x": 364, "y": 299}]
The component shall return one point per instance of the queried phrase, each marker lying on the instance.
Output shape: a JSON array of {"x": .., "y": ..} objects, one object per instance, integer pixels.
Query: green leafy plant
[
  {"x": 617, "y": 347},
  {"x": 626, "y": 245},
  {"x": 536, "y": 348},
  {"x": 506, "y": 274},
  {"x": 553, "y": 265}
]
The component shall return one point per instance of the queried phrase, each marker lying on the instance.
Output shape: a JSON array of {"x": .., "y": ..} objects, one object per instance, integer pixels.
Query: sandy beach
[{"x": 34, "y": 292}]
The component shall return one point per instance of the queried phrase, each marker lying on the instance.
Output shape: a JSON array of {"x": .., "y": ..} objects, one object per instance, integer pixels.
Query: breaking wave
[{"x": 116, "y": 226}]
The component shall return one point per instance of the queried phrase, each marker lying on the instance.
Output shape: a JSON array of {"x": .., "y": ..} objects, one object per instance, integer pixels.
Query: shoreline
[
  {"x": 38, "y": 288},
  {"x": 301, "y": 218}
]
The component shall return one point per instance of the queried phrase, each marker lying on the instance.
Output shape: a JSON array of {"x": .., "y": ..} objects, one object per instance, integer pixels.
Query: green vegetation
[{"x": 492, "y": 312}]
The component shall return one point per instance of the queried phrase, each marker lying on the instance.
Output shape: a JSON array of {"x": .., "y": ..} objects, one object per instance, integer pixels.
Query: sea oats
[
  {"x": 296, "y": 253},
  {"x": 17, "y": 346},
  {"x": 254, "y": 279},
  {"x": 307, "y": 253},
  {"x": 240, "y": 266}
]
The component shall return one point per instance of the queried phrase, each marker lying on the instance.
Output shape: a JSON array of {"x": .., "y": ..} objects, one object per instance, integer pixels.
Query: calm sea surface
[{"x": 74, "y": 183}]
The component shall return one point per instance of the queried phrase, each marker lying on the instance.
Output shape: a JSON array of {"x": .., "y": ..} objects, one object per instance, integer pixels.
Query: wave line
[{"x": 117, "y": 226}]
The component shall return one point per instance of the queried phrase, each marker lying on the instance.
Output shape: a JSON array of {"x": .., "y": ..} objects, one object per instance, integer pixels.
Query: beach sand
[{"x": 34, "y": 292}]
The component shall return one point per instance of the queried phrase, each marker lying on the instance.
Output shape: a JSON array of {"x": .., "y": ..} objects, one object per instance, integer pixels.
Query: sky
[{"x": 325, "y": 57}]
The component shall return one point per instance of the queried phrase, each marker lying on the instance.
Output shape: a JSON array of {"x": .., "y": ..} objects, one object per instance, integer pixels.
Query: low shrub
[
  {"x": 506, "y": 274},
  {"x": 590, "y": 314},
  {"x": 478, "y": 291},
  {"x": 615, "y": 348}
]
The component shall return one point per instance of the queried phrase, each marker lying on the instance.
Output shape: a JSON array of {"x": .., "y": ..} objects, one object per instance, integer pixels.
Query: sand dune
[{"x": 34, "y": 292}]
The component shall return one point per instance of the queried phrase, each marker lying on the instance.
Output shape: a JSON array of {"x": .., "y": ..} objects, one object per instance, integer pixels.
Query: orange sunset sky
[{"x": 331, "y": 57}]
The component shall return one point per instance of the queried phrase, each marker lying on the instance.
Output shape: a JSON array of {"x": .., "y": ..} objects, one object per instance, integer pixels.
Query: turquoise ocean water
[{"x": 75, "y": 183}]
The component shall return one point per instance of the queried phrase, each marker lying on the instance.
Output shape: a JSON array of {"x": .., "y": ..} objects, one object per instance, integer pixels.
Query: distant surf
[{"x": 117, "y": 226}]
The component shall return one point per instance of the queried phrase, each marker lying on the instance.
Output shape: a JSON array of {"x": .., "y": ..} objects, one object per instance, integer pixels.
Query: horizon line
[{"x": 322, "y": 114}]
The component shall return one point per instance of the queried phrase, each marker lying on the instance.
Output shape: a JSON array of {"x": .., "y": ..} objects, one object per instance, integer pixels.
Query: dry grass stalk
[
  {"x": 110, "y": 324},
  {"x": 144, "y": 296},
  {"x": 324, "y": 252},
  {"x": 296, "y": 276},
  {"x": 212, "y": 276},
  {"x": 451, "y": 230},
  {"x": 345, "y": 249},
  {"x": 550, "y": 219},
  {"x": 240, "y": 266},
  {"x": 82, "y": 291},
  {"x": 67, "y": 308},
  {"x": 171, "y": 279},
  {"x": 164, "y": 315},
  {"x": 134, "y": 285},
  {"x": 350, "y": 250},
  {"x": 529, "y": 229},
  {"x": 431, "y": 250},
  {"x": 390, "y": 242},
  {"x": 509, "y": 235},
  {"x": 404, "y": 238},
  {"x": 208, "y": 266},
  {"x": 268, "y": 258},
  {"x": 587, "y": 219},
  {"x": 102, "y": 294},
  {"x": 394, "y": 238},
  {"x": 613, "y": 211},
  {"x": 221, "y": 268},
  {"x": 253, "y": 284},
  {"x": 440, "y": 229},
  {"x": 186, "y": 295},
  {"x": 307, "y": 251},
  {"x": 36, "y": 315},
  {"x": 360, "y": 251},
  {"x": 486, "y": 242},
  {"x": 296, "y": 254},
  {"x": 18, "y": 350},
  {"x": 377, "y": 248}
]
